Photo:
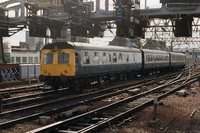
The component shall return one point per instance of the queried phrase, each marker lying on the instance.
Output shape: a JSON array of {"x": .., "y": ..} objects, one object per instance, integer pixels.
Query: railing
[
  {"x": 12, "y": 72},
  {"x": 9, "y": 72}
]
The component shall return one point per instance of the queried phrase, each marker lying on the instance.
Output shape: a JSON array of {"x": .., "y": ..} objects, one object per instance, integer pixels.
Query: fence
[{"x": 12, "y": 72}]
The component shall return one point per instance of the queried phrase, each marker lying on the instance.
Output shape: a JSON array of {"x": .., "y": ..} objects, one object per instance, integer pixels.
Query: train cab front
[{"x": 57, "y": 66}]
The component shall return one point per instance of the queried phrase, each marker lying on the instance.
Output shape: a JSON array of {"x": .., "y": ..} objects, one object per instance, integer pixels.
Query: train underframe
[{"x": 100, "y": 80}]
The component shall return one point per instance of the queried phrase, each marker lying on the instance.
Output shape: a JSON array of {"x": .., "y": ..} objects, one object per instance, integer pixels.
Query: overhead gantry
[{"x": 89, "y": 19}]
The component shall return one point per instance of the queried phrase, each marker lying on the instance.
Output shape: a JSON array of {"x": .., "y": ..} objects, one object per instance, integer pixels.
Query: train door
[
  {"x": 110, "y": 62},
  {"x": 127, "y": 61},
  {"x": 170, "y": 59},
  {"x": 144, "y": 59},
  {"x": 77, "y": 61}
]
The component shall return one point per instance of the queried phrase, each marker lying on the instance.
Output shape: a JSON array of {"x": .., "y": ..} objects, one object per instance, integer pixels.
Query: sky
[{"x": 20, "y": 36}]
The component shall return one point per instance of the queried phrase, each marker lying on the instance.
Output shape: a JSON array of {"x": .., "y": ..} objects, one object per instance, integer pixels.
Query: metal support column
[
  {"x": 97, "y": 5},
  {"x": 1, "y": 51},
  {"x": 106, "y": 5},
  {"x": 1, "y": 103},
  {"x": 145, "y": 4}
]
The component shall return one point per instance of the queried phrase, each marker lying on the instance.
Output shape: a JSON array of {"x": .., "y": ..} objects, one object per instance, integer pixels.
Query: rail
[
  {"x": 107, "y": 116},
  {"x": 67, "y": 102}
]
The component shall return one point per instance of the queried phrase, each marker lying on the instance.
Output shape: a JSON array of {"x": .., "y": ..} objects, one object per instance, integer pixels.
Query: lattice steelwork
[{"x": 162, "y": 30}]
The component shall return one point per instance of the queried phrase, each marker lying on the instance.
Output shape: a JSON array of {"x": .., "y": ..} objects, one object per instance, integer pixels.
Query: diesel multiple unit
[{"x": 70, "y": 64}]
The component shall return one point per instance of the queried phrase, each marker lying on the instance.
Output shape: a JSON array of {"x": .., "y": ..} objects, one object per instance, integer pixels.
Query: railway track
[
  {"x": 31, "y": 99},
  {"x": 68, "y": 103},
  {"x": 22, "y": 89},
  {"x": 104, "y": 116}
]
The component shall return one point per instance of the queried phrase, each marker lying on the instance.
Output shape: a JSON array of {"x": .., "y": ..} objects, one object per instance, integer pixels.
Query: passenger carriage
[{"x": 71, "y": 64}]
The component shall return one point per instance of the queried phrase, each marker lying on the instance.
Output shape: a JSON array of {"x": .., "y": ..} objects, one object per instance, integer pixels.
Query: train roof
[
  {"x": 87, "y": 46},
  {"x": 174, "y": 53},
  {"x": 154, "y": 51}
]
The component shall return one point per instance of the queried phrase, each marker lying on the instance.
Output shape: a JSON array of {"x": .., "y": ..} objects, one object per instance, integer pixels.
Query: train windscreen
[
  {"x": 48, "y": 59},
  {"x": 63, "y": 58}
]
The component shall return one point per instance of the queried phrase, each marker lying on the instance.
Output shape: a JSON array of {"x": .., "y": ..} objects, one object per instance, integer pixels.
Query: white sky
[{"x": 15, "y": 39}]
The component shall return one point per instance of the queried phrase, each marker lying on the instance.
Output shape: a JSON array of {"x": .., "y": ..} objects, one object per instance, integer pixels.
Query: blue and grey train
[{"x": 69, "y": 64}]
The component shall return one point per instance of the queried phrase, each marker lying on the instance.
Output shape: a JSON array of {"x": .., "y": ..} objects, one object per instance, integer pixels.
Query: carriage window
[
  {"x": 85, "y": 58},
  {"x": 86, "y": 53},
  {"x": 114, "y": 58},
  {"x": 120, "y": 57},
  {"x": 63, "y": 58},
  {"x": 104, "y": 58},
  {"x": 127, "y": 58},
  {"x": 95, "y": 54},
  {"x": 95, "y": 58},
  {"x": 48, "y": 59},
  {"x": 173, "y": 57},
  {"x": 109, "y": 57},
  {"x": 133, "y": 58}
]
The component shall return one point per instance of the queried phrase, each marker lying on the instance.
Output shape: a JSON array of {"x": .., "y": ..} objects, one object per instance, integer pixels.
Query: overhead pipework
[{"x": 3, "y": 32}]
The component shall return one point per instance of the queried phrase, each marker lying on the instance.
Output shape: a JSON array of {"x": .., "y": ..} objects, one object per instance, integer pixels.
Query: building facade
[{"x": 26, "y": 52}]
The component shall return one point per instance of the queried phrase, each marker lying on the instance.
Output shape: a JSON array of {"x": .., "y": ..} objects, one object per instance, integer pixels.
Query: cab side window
[{"x": 76, "y": 58}]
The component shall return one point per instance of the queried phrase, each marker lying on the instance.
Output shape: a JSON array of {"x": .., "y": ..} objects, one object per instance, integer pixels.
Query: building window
[
  {"x": 18, "y": 59},
  {"x": 13, "y": 59},
  {"x": 36, "y": 60},
  {"x": 30, "y": 59},
  {"x": 24, "y": 59}
]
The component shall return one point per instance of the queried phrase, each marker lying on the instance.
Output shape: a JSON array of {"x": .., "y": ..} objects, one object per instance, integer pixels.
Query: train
[{"x": 79, "y": 64}]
